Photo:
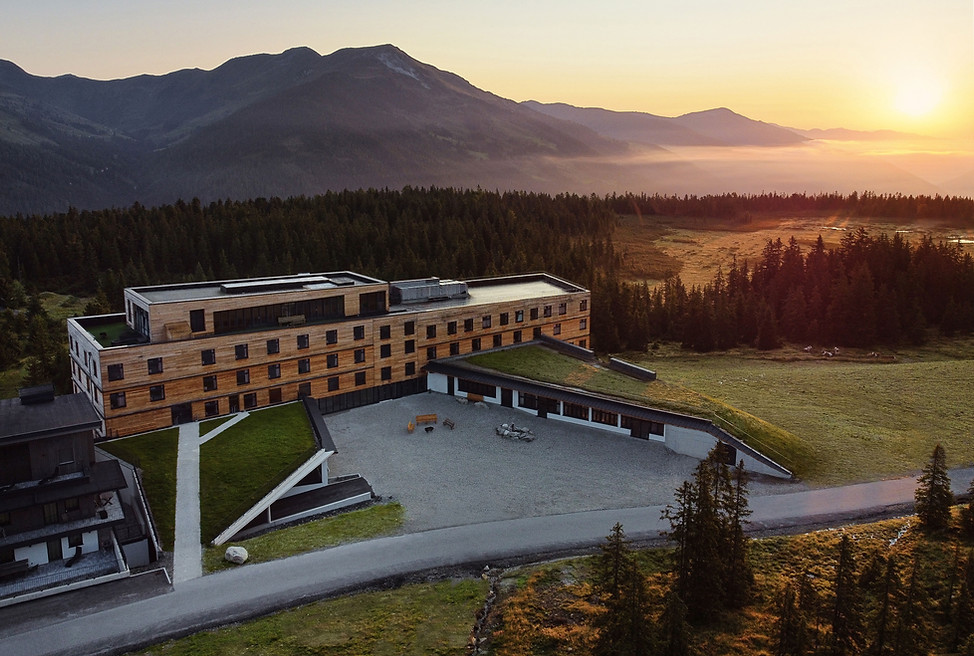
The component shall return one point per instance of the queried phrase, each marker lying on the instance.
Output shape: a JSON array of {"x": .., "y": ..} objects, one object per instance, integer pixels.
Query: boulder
[{"x": 236, "y": 555}]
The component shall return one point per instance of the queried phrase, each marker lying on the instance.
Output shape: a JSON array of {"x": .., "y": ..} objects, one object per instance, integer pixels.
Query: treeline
[
  {"x": 956, "y": 209},
  {"x": 870, "y": 290}
]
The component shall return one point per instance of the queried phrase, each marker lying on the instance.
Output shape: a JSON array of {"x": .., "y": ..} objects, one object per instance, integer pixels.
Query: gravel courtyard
[{"x": 470, "y": 474}]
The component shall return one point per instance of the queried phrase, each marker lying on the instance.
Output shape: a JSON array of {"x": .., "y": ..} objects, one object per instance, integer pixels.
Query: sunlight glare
[{"x": 918, "y": 96}]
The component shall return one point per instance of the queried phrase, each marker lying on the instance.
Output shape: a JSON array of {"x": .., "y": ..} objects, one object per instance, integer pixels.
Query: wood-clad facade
[{"x": 187, "y": 352}]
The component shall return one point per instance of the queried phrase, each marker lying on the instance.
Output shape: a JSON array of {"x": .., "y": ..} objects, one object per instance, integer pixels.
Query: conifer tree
[
  {"x": 909, "y": 636},
  {"x": 933, "y": 497},
  {"x": 675, "y": 639},
  {"x": 622, "y": 628},
  {"x": 846, "y": 619},
  {"x": 964, "y": 613},
  {"x": 967, "y": 514}
]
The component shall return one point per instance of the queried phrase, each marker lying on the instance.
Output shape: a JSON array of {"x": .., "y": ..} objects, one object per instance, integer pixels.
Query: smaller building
[{"x": 60, "y": 506}]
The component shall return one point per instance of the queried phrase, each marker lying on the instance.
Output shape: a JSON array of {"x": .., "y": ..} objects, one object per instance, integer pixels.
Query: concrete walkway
[{"x": 187, "y": 552}]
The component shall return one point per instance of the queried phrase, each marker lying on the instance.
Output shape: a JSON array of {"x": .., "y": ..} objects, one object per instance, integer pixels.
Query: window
[
  {"x": 208, "y": 356},
  {"x": 359, "y": 355},
  {"x": 243, "y": 376},
  {"x": 117, "y": 400},
  {"x": 50, "y": 513},
  {"x": 556, "y": 330},
  {"x": 498, "y": 340},
  {"x": 209, "y": 383},
  {"x": 454, "y": 348},
  {"x": 116, "y": 372},
  {"x": 274, "y": 395},
  {"x": 529, "y": 401},
  {"x": 576, "y": 411},
  {"x": 211, "y": 408},
  {"x": 582, "y": 324},
  {"x": 385, "y": 332},
  {"x": 537, "y": 332},
  {"x": 410, "y": 368},
  {"x": 563, "y": 308},
  {"x": 385, "y": 351},
  {"x": 331, "y": 337},
  {"x": 518, "y": 316},
  {"x": 471, "y": 387},
  {"x": 517, "y": 336},
  {"x": 410, "y": 346},
  {"x": 4, "y": 519},
  {"x": 430, "y": 352},
  {"x": 75, "y": 540},
  {"x": 603, "y": 417},
  {"x": 451, "y": 328},
  {"x": 409, "y": 328},
  {"x": 273, "y": 346},
  {"x": 485, "y": 322},
  {"x": 534, "y": 313},
  {"x": 475, "y": 344},
  {"x": 157, "y": 392},
  {"x": 197, "y": 322},
  {"x": 304, "y": 389},
  {"x": 358, "y": 332},
  {"x": 386, "y": 373},
  {"x": 304, "y": 366},
  {"x": 582, "y": 343},
  {"x": 467, "y": 325},
  {"x": 273, "y": 371},
  {"x": 250, "y": 400},
  {"x": 333, "y": 384},
  {"x": 359, "y": 378},
  {"x": 332, "y": 360},
  {"x": 303, "y": 341},
  {"x": 430, "y": 332},
  {"x": 155, "y": 365},
  {"x": 505, "y": 318},
  {"x": 241, "y": 351},
  {"x": 547, "y": 311},
  {"x": 583, "y": 305}
]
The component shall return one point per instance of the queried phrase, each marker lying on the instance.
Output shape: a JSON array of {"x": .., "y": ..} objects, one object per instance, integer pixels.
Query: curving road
[{"x": 255, "y": 590}]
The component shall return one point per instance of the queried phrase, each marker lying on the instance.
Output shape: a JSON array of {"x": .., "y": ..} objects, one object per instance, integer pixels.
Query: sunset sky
[{"x": 861, "y": 64}]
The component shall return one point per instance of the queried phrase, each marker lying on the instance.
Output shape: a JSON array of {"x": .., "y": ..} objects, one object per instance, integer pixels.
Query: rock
[
  {"x": 461, "y": 399},
  {"x": 236, "y": 555},
  {"x": 480, "y": 404}
]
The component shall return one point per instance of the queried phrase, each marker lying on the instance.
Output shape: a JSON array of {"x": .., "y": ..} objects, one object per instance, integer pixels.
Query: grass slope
[
  {"x": 155, "y": 454},
  {"x": 246, "y": 461}
]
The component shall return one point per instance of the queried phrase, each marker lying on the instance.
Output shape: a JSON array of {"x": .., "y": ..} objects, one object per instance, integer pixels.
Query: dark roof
[
  {"x": 104, "y": 476},
  {"x": 65, "y": 414}
]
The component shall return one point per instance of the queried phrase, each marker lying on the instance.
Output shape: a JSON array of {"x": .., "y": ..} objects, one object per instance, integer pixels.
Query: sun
[{"x": 918, "y": 96}]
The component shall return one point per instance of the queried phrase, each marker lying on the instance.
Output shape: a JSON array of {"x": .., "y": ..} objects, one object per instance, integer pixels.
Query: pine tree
[
  {"x": 909, "y": 636},
  {"x": 964, "y": 613},
  {"x": 675, "y": 639},
  {"x": 622, "y": 628},
  {"x": 846, "y": 619},
  {"x": 933, "y": 497},
  {"x": 791, "y": 628},
  {"x": 967, "y": 514}
]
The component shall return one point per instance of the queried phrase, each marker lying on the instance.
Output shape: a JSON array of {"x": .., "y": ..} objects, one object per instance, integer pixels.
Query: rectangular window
[
  {"x": 498, "y": 340},
  {"x": 529, "y": 401},
  {"x": 471, "y": 387},
  {"x": 303, "y": 341},
  {"x": 430, "y": 332},
  {"x": 358, "y": 332},
  {"x": 274, "y": 395},
  {"x": 50, "y": 513},
  {"x": 273, "y": 346},
  {"x": 505, "y": 318},
  {"x": 517, "y": 336},
  {"x": 211, "y": 408},
  {"x": 208, "y": 356},
  {"x": 332, "y": 360},
  {"x": 475, "y": 344},
  {"x": 386, "y": 373},
  {"x": 576, "y": 411},
  {"x": 116, "y": 372},
  {"x": 359, "y": 378},
  {"x": 243, "y": 376},
  {"x": 385, "y": 351},
  {"x": 547, "y": 311},
  {"x": 273, "y": 371},
  {"x": 582, "y": 324},
  {"x": 250, "y": 400},
  {"x": 155, "y": 365},
  {"x": 117, "y": 400},
  {"x": 385, "y": 332},
  {"x": 583, "y": 305},
  {"x": 556, "y": 330},
  {"x": 331, "y": 337},
  {"x": 485, "y": 322},
  {"x": 467, "y": 325},
  {"x": 75, "y": 540},
  {"x": 536, "y": 332},
  {"x": 563, "y": 308},
  {"x": 359, "y": 356},
  {"x": 209, "y": 383},
  {"x": 304, "y": 389},
  {"x": 409, "y": 328},
  {"x": 430, "y": 352},
  {"x": 157, "y": 392},
  {"x": 518, "y": 316},
  {"x": 304, "y": 365},
  {"x": 454, "y": 348},
  {"x": 582, "y": 343},
  {"x": 197, "y": 322},
  {"x": 410, "y": 368},
  {"x": 410, "y": 346},
  {"x": 534, "y": 313},
  {"x": 603, "y": 417},
  {"x": 451, "y": 328},
  {"x": 241, "y": 351},
  {"x": 333, "y": 384}
]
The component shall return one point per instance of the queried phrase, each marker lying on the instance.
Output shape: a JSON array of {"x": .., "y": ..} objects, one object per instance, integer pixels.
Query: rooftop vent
[
  {"x": 426, "y": 289},
  {"x": 274, "y": 284},
  {"x": 39, "y": 394}
]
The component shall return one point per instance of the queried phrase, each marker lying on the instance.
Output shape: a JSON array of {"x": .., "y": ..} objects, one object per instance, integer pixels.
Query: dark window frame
[
  {"x": 154, "y": 366},
  {"x": 157, "y": 393},
  {"x": 273, "y": 346},
  {"x": 116, "y": 371}
]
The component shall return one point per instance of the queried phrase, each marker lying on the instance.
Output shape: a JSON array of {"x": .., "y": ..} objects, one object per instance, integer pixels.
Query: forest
[{"x": 871, "y": 290}]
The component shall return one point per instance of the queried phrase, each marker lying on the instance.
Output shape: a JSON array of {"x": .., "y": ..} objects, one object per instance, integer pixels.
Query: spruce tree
[
  {"x": 967, "y": 514},
  {"x": 846, "y": 618},
  {"x": 623, "y": 627},
  {"x": 964, "y": 613},
  {"x": 675, "y": 639},
  {"x": 933, "y": 497}
]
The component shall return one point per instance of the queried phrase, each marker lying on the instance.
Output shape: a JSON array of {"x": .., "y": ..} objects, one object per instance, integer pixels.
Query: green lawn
[
  {"x": 155, "y": 453},
  {"x": 421, "y": 619},
  {"x": 348, "y": 527},
  {"x": 210, "y": 424},
  {"x": 246, "y": 461}
]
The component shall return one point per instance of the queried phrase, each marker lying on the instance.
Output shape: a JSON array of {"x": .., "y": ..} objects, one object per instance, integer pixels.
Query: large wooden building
[{"x": 189, "y": 351}]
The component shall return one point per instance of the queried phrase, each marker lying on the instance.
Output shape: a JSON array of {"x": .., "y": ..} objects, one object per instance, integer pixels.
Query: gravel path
[{"x": 469, "y": 474}]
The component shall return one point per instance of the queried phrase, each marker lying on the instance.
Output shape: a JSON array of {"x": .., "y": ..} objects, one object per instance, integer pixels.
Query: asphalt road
[{"x": 254, "y": 590}]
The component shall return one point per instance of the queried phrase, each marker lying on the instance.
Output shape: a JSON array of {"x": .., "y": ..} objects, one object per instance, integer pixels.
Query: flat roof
[
  {"x": 192, "y": 291},
  {"x": 65, "y": 414},
  {"x": 485, "y": 291}
]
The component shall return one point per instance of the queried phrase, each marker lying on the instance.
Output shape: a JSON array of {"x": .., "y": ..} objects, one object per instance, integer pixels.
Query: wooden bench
[
  {"x": 14, "y": 568},
  {"x": 410, "y": 427},
  {"x": 449, "y": 422},
  {"x": 425, "y": 419}
]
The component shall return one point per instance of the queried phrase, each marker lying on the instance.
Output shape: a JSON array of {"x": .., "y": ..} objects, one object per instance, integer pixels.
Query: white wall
[
  {"x": 36, "y": 554},
  {"x": 436, "y": 383}
]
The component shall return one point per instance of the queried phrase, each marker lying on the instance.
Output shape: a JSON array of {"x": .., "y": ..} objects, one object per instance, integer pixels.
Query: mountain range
[{"x": 302, "y": 123}]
